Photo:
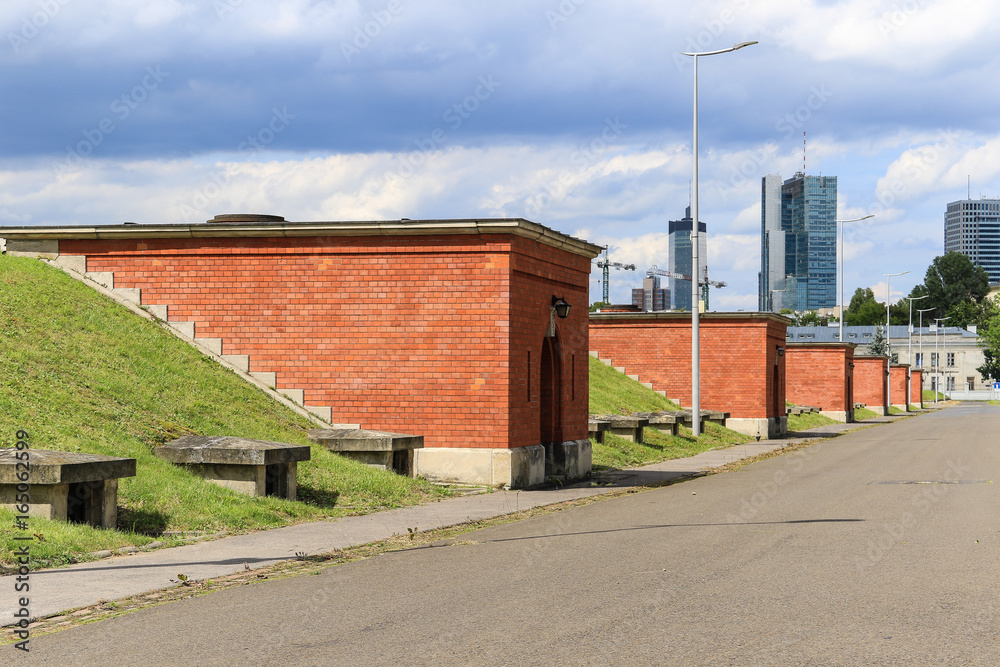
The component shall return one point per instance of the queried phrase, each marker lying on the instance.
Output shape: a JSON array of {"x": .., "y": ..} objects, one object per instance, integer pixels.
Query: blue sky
[{"x": 573, "y": 113}]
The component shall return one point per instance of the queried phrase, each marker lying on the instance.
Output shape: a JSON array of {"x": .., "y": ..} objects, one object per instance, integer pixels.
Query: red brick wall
[
  {"x": 738, "y": 356},
  {"x": 417, "y": 334},
  {"x": 916, "y": 388},
  {"x": 898, "y": 391},
  {"x": 869, "y": 380},
  {"x": 819, "y": 375}
]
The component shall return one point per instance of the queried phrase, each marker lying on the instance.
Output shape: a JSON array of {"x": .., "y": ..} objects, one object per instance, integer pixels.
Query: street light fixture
[
  {"x": 937, "y": 369},
  {"x": 888, "y": 345},
  {"x": 870, "y": 215},
  {"x": 909, "y": 342},
  {"x": 920, "y": 342},
  {"x": 695, "y": 287}
]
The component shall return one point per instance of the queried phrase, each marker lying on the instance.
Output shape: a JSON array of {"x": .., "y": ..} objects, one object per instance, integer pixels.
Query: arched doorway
[{"x": 550, "y": 405}]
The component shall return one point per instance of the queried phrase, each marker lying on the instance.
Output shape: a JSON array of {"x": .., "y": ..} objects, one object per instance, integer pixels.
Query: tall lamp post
[
  {"x": 909, "y": 342},
  {"x": 920, "y": 342},
  {"x": 937, "y": 368},
  {"x": 695, "y": 287},
  {"x": 841, "y": 222},
  {"x": 888, "y": 345}
]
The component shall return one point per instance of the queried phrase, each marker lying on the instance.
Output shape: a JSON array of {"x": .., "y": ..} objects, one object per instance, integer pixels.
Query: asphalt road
[{"x": 833, "y": 555}]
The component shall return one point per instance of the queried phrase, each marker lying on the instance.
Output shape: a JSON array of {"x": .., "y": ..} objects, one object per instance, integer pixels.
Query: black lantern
[{"x": 562, "y": 308}]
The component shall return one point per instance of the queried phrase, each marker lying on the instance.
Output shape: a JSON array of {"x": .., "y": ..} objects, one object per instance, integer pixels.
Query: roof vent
[{"x": 244, "y": 218}]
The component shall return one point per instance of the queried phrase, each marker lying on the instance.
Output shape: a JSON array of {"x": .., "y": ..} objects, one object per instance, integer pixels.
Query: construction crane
[
  {"x": 607, "y": 266},
  {"x": 655, "y": 271}
]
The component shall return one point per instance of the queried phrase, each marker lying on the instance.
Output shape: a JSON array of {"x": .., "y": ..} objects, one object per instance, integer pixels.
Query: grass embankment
[
  {"x": 612, "y": 392},
  {"x": 928, "y": 395},
  {"x": 860, "y": 414},
  {"x": 81, "y": 373},
  {"x": 807, "y": 421}
]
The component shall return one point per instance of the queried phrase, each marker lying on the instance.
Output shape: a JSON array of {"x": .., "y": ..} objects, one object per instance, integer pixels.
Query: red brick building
[
  {"x": 742, "y": 366},
  {"x": 821, "y": 375},
  {"x": 870, "y": 374},
  {"x": 916, "y": 387},
  {"x": 439, "y": 328},
  {"x": 899, "y": 389}
]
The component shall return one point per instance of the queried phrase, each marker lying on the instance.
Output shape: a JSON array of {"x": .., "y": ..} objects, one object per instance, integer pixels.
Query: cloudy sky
[{"x": 573, "y": 113}]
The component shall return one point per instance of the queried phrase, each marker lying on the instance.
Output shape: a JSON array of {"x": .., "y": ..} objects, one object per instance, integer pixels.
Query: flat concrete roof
[
  {"x": 774, "y": 317},
  {"x": 237, "y": 226}
]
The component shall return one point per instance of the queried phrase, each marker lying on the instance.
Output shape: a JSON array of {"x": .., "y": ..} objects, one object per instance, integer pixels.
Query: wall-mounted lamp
[
  {"x": 851, "y": 365},
  {"x": 562, "y": 308},
  {"x": 781, "y": 351}
]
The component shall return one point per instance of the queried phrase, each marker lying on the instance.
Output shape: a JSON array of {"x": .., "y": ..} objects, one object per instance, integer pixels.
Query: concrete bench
[
  {"x": 596, "y": 429},
  {"x": 665, "y": 421},
  {"x": 253, "y": 467},
  {"x": 379, "y": 449},
  {"x": 801, "y": 410},
  {"x": 71, "y": 486},
  {"x": 629, "y": 428},
  {"x": 688, "y": 419}
]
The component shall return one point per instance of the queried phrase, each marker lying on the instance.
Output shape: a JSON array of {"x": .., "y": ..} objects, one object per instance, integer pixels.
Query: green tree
[
  {"x": 952, "y": 279},
  {"x": 879, "y": 346},
  {"x": 989, "y": 339},
  {"x": 864, "y": 310},
  {"x": 597, "y": 305}
]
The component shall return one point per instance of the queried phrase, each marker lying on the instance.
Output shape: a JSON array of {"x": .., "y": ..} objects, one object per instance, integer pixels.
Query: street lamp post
[
  {"x": 937, "y": 369},
  {"x": 920, "y": 342},
  {"x": 909, "y": 342},
  {"x": 888, "y": 345},
  {"x": 695, "y": 287},
  {"x": 870, "y": 215}
]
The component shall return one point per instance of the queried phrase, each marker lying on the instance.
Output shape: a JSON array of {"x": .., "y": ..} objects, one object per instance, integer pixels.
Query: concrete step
[
  {"x": 240, "y": 361},
  {"x": 647, "y": 385},
  {"x": 661, "y": 393},
  {"x": 620, "y": 369},
  {"x": 270, "y": 379},
  {"x": 133, "y": 294},
  {"x": 76, "y": 263},
  {"x": 213, "y": 345},
  {"x": 184, "y": 328},
  {"x": 295, "y": 395},
  {"x": 159, "y": 312},
  {"x": 105, "y": 278},
  {"x": 324, "y": 413},
  {"x": 633, "y": 377}
]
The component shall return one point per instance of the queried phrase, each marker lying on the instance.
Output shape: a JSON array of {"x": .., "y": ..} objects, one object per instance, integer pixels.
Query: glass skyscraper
[
  {"x": 679, "y": 240},
  {"x": 972, "y": 227},
  {"x": 798, "y": 243}
]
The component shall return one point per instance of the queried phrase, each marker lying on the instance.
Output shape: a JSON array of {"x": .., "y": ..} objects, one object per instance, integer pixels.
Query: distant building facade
[
  {"x": 679, "y": 241},
  {"x": 972, "y": 227},
  {"x": 949, "y": 356},
  {"x": 798, "y": 243},
  {"x": 651, "y": 297}
]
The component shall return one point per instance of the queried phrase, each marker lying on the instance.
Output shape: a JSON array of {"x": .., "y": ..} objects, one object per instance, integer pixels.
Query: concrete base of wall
[
  {"x": 518, "y": 468},
  {"x": 877, "y": 409},
  {"x": 572, "y": 459},
  {"x": 766, "y": 427},
  {"x": 845, "y": 416},
  {"x": 901, "y": 406}
]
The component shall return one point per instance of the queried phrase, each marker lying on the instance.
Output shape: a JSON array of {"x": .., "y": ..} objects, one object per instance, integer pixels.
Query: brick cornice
[{"x": 503, "y": 226}]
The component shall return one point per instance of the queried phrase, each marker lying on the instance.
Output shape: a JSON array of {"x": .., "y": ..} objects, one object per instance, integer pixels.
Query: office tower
[
  {"x": 805, "y": 241},
  {"x": 972, "y": 227},
  {"x": 679, "y": 240},
  {"x": 651, "y": 296}
]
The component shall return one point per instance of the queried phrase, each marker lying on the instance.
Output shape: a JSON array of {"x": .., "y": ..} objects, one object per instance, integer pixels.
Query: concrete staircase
[
  {"x": 131, "y": 298},
  {"x": 622, "y": 370}
]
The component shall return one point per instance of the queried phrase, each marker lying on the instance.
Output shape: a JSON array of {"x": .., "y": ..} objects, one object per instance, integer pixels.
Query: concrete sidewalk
[{"x": 57, "y": 590}]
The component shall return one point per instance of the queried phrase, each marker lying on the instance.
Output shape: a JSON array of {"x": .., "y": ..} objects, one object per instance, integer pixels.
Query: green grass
[
  {"x": 929, "y": 396},
  {"x": 617, "y": 453},
  {"x": 993, "y": 402},
  {"x": 808, "y": 421},
  {"x": 893, "y": 410},
  {"x": 80, "y": 373},
  {"x": 860, "y": 414},
  {"x": 613, "y": 393}
]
